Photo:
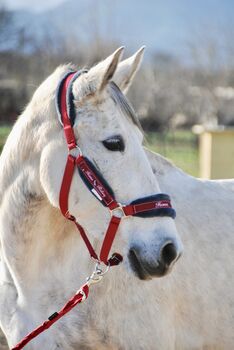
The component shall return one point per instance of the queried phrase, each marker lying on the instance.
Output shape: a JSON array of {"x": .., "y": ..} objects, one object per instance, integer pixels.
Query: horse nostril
[
  {"x": 155, "y": 263},
  {"x": 136, "y": 264},
  {"x": 168, "y": 254}
]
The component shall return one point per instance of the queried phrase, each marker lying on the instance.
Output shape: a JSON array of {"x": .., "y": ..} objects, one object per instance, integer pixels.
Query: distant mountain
[{"x": 164, "y": 25}]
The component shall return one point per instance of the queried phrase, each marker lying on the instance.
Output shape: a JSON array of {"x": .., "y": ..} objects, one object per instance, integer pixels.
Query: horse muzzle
[{"x": 162, "y": 263}]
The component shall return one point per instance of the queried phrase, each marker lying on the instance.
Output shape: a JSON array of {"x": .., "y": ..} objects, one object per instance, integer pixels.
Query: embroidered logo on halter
[
  {"x": 98, "y": 189},
  {"x": 162, "y": 204}
]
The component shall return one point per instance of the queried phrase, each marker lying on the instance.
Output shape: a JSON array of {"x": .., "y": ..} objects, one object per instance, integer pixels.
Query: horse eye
[{"x": 114, "y": 143}]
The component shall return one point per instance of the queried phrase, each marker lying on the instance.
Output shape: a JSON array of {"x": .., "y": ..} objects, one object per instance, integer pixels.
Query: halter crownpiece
[{"x": 151, "y": 206}]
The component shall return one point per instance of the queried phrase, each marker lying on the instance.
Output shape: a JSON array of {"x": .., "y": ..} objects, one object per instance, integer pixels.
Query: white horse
[{"x": 44, "y": 261}]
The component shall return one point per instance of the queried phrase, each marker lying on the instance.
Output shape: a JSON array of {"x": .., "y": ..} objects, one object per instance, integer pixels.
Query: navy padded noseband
[{"x": 157, "y": 212}]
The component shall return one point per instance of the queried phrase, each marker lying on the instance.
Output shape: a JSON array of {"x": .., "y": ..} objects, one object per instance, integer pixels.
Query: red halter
[
  {"x": 158, "y": 204},
  {"x": 155, "y": 205}
]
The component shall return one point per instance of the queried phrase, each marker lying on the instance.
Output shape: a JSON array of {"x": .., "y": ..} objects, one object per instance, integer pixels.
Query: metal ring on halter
[
  {"x": 73, "y": 152},
  {"x": 118, "y": 212}
]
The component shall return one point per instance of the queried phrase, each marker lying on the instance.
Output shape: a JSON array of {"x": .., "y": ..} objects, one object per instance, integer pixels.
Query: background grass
[
  {"x": 4, "y": 132},
  {"x": 179, "y": 146}
]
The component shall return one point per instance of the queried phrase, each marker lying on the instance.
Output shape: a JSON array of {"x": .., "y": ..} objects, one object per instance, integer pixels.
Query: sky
[
  {"x": 46, "y": 4},
  {"x": 32, "y": 5}
]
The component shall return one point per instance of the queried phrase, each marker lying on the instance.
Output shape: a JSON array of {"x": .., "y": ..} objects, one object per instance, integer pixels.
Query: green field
[
  {"x": 4, "y": 131},
  {"x": 179, "y": 146}
]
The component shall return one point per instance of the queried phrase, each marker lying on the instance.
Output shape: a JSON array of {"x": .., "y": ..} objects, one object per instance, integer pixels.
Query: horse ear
[
  {"x": 103, "y": 72},
  {"x": 127, "y": 69}
]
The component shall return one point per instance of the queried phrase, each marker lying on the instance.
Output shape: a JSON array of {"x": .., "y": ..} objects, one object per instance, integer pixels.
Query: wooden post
[{"x": 216, "y": 154}]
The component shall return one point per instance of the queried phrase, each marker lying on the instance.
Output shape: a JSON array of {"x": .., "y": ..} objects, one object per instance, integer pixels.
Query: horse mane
[{"x": 125, "y": 106}]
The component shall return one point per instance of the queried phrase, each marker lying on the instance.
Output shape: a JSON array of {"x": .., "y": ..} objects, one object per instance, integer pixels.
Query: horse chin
[{"x": 145, "y": 271}]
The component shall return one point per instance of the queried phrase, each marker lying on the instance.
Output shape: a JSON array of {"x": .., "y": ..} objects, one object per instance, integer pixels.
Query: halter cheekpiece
[{"x": 151, "y": 206}]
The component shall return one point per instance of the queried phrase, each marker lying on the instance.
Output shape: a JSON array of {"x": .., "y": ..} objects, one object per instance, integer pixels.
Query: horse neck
[
  {"x": 38, "y": 244},
  {"x": 34, "y": 234}
]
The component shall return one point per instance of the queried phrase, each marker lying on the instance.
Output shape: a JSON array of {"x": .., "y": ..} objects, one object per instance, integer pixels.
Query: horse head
[{"x": 107, "y": 131}]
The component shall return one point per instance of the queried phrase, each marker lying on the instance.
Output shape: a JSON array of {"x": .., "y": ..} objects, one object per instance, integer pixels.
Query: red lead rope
[{"x": 81, "y": 295}]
